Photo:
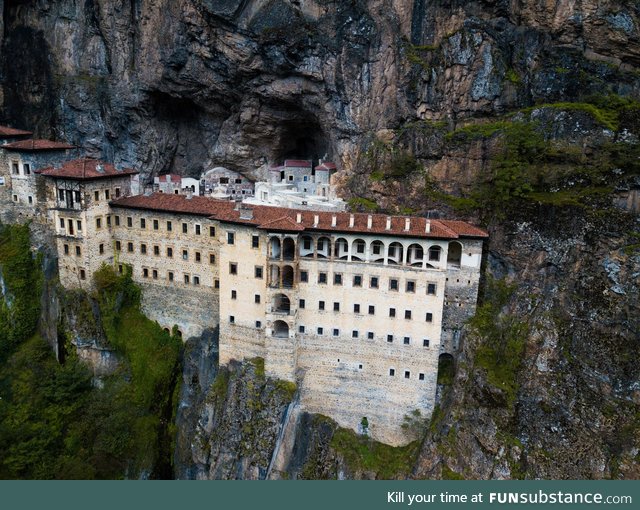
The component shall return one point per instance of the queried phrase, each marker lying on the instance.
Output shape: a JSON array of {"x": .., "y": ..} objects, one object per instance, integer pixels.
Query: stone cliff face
[{"x": 185, "y": 85}]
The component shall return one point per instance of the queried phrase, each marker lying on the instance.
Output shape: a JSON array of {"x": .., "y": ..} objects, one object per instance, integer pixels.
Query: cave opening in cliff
[{"x": 302, "y": 138}]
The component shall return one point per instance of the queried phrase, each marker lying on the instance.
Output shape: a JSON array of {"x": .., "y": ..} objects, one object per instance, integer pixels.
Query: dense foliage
[{"x": 56, "y": 424}]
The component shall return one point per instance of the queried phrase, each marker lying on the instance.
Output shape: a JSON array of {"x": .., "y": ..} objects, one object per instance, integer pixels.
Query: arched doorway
[
  {"x": 395, "y": 253},
  {"x": 288, "y": 277},
  {"x": 446, "y": 369},
  {"x": 281, "y": 304},
  {"x": 274, "y": 248},
  {"x": 415, "y": 255},
  {"x": 288, "y": 249},
  {"x": 280, "y": 329},
  {"x": 454, "y": 256}
]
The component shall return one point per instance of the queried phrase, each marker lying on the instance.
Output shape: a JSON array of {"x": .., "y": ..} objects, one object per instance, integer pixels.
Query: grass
[
  {"x": 364, "y": 454},
  {"x": 362, "y": 204}
]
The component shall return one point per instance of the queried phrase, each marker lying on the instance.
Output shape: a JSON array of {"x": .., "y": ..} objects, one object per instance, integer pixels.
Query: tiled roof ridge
[
  {"x": 85, "y": 168},
  {"x": 278, "y": 222},
  {"x": 38, "y": 144}
]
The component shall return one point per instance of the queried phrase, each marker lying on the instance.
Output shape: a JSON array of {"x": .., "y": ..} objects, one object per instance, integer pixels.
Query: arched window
[
  {"x": 376, "y": 252},
  {"x": 416, "y": 255},
  {"x": 288, "y": 277},
  {"x": 434, "y": 253},
  {"x": 288, "y": 249},
  {"x": 454, "y": 256},
  {"x": 306, "y": 246},
  {"x": 342, "y": 248},
  {"x": 324, "y": 247},
  {"x": 281, "y": 304},
  {"x": 280, "y": 329},
  {"x": 274, "y": 248},
  {"x": 358, "y": 248},
  {"x": 395, "y": 253}
]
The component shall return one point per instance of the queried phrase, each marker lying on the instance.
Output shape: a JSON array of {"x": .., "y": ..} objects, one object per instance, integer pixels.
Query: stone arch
[
  {"x": 288, "y": 277},
  {"x": 280, "y": 329},
  {"x": 376, "y": 251},
  {"x": 275, "y": 248},
  {"x": 395, "y": 253},
  {"x": 341, "y": 248},
  {"x": 358, "y": 250},
  {"x": 435, "y": 253},
  {"x": 281, "y": 303},
  {"x": 324, "y": 247},
  {"x": 454, "y": 255},
  {"x": 415, "y": 254},
  {"x": 288, "y": 249},
  {"x": 306, "y": 246}
]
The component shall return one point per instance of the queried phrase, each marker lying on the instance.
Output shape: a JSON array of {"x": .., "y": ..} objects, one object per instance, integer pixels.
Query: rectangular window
[
  {"x": 370, "y": 335},
  {"x": 155, "y": 274},
  {"x": 336, "y": 307},
  {"x": 336, "y": 332},
  {"x": 425, "y": 342},
  {"x": 372, "y": 310},
  {"x": 62, "y": 223},
  {"x": 231, "y": 238},
  {"x": 198, "y": 257},
  {"x": 300, "y": 329},
  {"x": 392, "y": 312},
  {"x": 337, "y": 279},
  {"x": 96, "y": 196},
  {"x": 306, "y": 243},
  {"x": 143, "y": 249},
  {"x": 258, "y": 324},
  {"x": 66, "y": 249},
  {"x": 429, "y": 317},
  {"x": 320, "y": 305},
  {"x": 304, "y": 276},
  {"x": 301, "y": 303},
  {"x": 169, "y": 226},
  {"x": 256, "y": 299},
  {"x": 101, "y": 249},
  {"x": 15, "y": 168},
  {"x": 130, "y": 247},
  {"x": 156, "y": 250},
  {"x": 79, "y": 225},
  {"x": 118, "y": 246},
  {"x": 216, "y": 284},
  {"x": 354, "y": 334},
  {"x": 406, "y": 340},
  {"x": 320, "y": 331},
  {"x": 407, "y": 314},
  {"x": 117, "y": 218},
  {"x": 145, "y": 272},
  {"x": 170, "y": 253},
  {"x": 234, "y": 294},
  {"x": 421, "y": 377},
  {"x": 106, "y": 194},
  {"x": 407, "y": 374},
  {"x": 392, "y": 372},
  {"x": 156, "y": 225},
  {"x": 411, "y": 286},
  {"x": 393, "y": 284},
  {"x": 198, "y": 231},
  {"x": 212, "y": 231},
  {"x": 258, "y": 271},
  {"x": 255, "y": 241},
  {"x": 357, "y": 280},
  {"x": 356, "y": 308},
  {"x": 233, "y": 268},
  {"x": 373, "y": 283},
  {"x": 431, "y": 289},
  {"x": 143, "y": 223},
  {"x": 117, "y": 192},
  {"x": 30, "y": 199},
  {"x": 186, "y": 278},
  {"x": 98, "y": 223},
  {"x": 185, "y": 228},
  {"x": 185, "y": 254},
  {"x": 322, "y": 277},
  {"x": 390, "y": 338},
  {"x": 212, "y": 259},
  {"x": 27, "y": 171},
  {"x": 78, "y": 251},
  {"x": 129, "y": 221},
  {"x": 232, "y": 319},
  {"x": 108, "y": 220},
  {"x": 170, "y": 276}
]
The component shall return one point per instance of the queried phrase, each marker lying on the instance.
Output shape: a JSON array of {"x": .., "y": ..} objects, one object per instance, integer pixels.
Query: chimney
[
  {"x": 334, "y": 219},
  {"x": 189, "y": 194},
  {"x": 407, "y": 224},
  {"x": 99, "y": 168},
  {"x": 246, "y": 212},
  {"x": 299, "y": 218},
  {"x": 316, "y": 220},
  {"x": 167, "y": 178},
  {"x": 388, "y": 226},
  {"x": 369, "y": 222},
  {"x": 351, "y": 221},
  {"x": 427, "y": 227}
]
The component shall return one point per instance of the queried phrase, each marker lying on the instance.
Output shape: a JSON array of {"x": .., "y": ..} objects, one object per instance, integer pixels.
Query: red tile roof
[
  {"x": 297, "y": 163},
  {"x": 283, "y": 219},
  {"x": 8, "y": 132},
  {"x": 85, "y": 168},
  {"x": 327, "y": 165},
  {"x": 172, "y": 178},
  {"x": 38, "y": 145}
]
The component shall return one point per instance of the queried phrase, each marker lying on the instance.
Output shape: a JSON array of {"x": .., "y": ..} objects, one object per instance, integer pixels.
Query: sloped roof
[
  {"x": 38, "y": 145},
  {"x": 297, "y": 163},
  {"x": 9, "y": 132},
  {"x": 85, "y": 168},
  {"x": 327, "y": 165},
  {"x": 296, "y": 220}
]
